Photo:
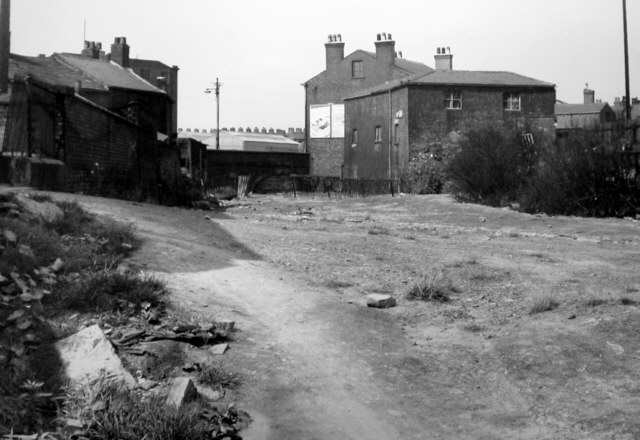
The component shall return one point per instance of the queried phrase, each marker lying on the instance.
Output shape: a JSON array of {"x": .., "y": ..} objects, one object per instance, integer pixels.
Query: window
[
  {"x": 378, "y": 137},
  {"x": 357, "y": 69},
  {"x": 453, "y": 100},
  {"x": 395, "y": 133},
  {"x": 512, "y": 101},
  {"x": 354, "y": 137}
]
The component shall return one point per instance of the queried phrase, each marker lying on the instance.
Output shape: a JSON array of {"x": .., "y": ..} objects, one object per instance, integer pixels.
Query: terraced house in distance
[
  {"x": 344, "y": 76},
  {"x": 387, "y": 124}
]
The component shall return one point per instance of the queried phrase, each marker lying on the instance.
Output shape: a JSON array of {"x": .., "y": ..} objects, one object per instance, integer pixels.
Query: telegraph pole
[
  {"x": 216, "y": 89},
  {"x": 627, "y": 106}
]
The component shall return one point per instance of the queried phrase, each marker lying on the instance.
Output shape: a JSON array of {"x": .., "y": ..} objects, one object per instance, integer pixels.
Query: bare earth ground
[{"x": 316, "y": 363}]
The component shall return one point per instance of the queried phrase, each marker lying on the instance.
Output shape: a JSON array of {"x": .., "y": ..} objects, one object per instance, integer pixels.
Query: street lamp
[{"x": 216, "y": 89}]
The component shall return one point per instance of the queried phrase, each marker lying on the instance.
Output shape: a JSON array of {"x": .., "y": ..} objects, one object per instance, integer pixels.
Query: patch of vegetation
[
  {"x": 110, "y": 291},
  {"x": 542, "y": 301},
  {"x": 338, "y": 284},
  {"x": 626, "y": 301},
  {"x": 379, "y": 230},
  {"x": 473, "y": 327},
  {"x": 433, "y": 285},
  {"x": 123, "y": 416},
  {"x": 46, "y": 270},
  {"x": 586, "y": 174},
  {"x": 217, "y": 376},
  {"x": 595, "y": 302}
]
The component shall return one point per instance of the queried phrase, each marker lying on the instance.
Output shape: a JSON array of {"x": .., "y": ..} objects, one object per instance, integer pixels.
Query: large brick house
[
  {"x": 386, "y": 125},
  {"x": 344, "y": 76}
]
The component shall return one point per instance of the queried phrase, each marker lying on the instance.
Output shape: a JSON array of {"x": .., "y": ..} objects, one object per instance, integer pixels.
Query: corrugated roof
[
  {"x": 109, "y": 73},
  {"x": 574, "y": 109},
  {"x": 49, "y": 70},
  {"x": 459, "y": 77}
]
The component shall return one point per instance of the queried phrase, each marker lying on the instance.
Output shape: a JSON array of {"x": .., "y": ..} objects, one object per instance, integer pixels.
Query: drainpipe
[{"x": 390, "y": 138}]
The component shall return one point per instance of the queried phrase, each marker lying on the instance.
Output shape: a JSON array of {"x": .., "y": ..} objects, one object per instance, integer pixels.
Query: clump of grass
[
  {"x": 626, "y": 301},
  {"x": 473, "y": 327},
  {"x": 218, "y": 376},
  {"x": 595, "y": 302},
  {"x": 337, "y": 284},
  {"x": 433, "y": 285},
  {"x": 110, "y": 291},
  {"x": 542, "y": 301},
  {"x": 127, "y": 418},
  {"x": 379, "y": 230}
]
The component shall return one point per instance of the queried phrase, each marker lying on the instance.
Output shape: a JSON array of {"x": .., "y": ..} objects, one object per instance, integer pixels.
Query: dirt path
[{"x": 318, "y": 364}]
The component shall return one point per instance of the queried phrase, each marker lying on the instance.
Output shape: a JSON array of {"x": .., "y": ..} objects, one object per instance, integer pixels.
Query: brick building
[
  {"x": 344, "y": 76},
  {"x": 589, "y": 114},
  {"x": 386, "y": 125}
]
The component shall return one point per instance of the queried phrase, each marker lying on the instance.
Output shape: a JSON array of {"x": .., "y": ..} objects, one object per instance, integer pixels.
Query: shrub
[
  {"x": 427, "y": 169},
  {"x": 587, "y": 174},
  {"x": 490, "y": 166}
]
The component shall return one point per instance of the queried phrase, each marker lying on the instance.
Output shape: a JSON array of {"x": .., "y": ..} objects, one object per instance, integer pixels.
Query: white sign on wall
[{"x": 326, "y": 121}]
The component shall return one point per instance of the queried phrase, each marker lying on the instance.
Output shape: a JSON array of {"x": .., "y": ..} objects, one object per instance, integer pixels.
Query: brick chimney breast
[
  {"x": 335, "y": 51},
  {"x": 589, "y": 95},
  {"x": 444, "y": 58},
  {"x": 120, "y": 51}
]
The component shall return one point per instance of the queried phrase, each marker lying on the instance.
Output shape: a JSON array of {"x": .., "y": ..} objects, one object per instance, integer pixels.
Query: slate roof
[
  {"x": 148, "y": 64},
  {"x": 458, "y": 78},
  {"x": 407, "y": 65},
  {"x": 50, "y": 71},
  {"x": 575, "y": 109},
  {"x": 108, "y": 73},
  {"x": 66, "y": 69}
]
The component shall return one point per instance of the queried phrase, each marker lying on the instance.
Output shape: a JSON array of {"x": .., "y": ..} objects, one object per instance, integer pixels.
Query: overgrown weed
[{"x": 433, "y": 285}]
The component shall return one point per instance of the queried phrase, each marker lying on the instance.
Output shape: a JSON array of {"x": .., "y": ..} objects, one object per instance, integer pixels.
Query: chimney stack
[
  {"x": 385, "y": 55},
  {"x": 120, "y": 51},
  {"x": 5, "y": 44},
  {"x": 589, "y": 95},
  {"x": 335, "y": 51},
  {"x": 444, "y": 59}
]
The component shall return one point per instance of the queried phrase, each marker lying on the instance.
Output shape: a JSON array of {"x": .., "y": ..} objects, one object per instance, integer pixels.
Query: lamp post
[{"x": 216, "y": 89}]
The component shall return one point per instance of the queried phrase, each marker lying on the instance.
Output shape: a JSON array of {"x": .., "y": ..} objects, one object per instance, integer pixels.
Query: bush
[
  {"x": 490, "y": 166},
  {"x": 584, "y": 175},
  {"x": 427, "y": 170}
]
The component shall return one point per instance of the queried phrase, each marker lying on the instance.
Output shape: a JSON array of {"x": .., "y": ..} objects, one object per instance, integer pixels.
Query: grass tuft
[
  {"x": 542, "y": 301},
  {"x": 217, "y": 376},
  {"x": 432, "y": 286}
]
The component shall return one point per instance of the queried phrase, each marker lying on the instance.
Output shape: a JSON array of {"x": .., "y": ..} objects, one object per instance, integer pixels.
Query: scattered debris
[{"x": 380, "y": 301}]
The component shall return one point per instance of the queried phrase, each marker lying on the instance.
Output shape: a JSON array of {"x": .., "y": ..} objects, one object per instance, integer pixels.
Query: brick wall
[
  {"x": 413, "y": 118},
  {"x": 331, "y": 86}
]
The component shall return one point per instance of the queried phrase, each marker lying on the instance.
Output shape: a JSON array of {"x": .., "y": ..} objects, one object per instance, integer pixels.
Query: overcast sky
[{"x": 263, "y": 50}]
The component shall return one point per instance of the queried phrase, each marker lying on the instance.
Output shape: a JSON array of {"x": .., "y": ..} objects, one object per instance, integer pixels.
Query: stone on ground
[
  {"x": 218, "y": 348},
  {"x": 380, "y": 301},
  {"x": 47, "y": 211},
  {"x": 88, "y": 355},
  {"x": 181, "y": 391}
]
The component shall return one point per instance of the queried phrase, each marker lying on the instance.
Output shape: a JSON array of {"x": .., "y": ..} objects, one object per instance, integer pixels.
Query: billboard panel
[{"x": 320, "y": 121}]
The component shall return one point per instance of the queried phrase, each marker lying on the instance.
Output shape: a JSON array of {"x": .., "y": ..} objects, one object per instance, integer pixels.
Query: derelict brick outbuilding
[{"x": 385, "y": 126}]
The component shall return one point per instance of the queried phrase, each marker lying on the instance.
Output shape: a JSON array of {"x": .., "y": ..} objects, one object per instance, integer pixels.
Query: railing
[{"x": 322, "y": 186}]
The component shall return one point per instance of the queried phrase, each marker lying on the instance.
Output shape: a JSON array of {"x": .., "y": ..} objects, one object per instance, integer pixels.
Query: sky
[{"x": 263, "y": 50}]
